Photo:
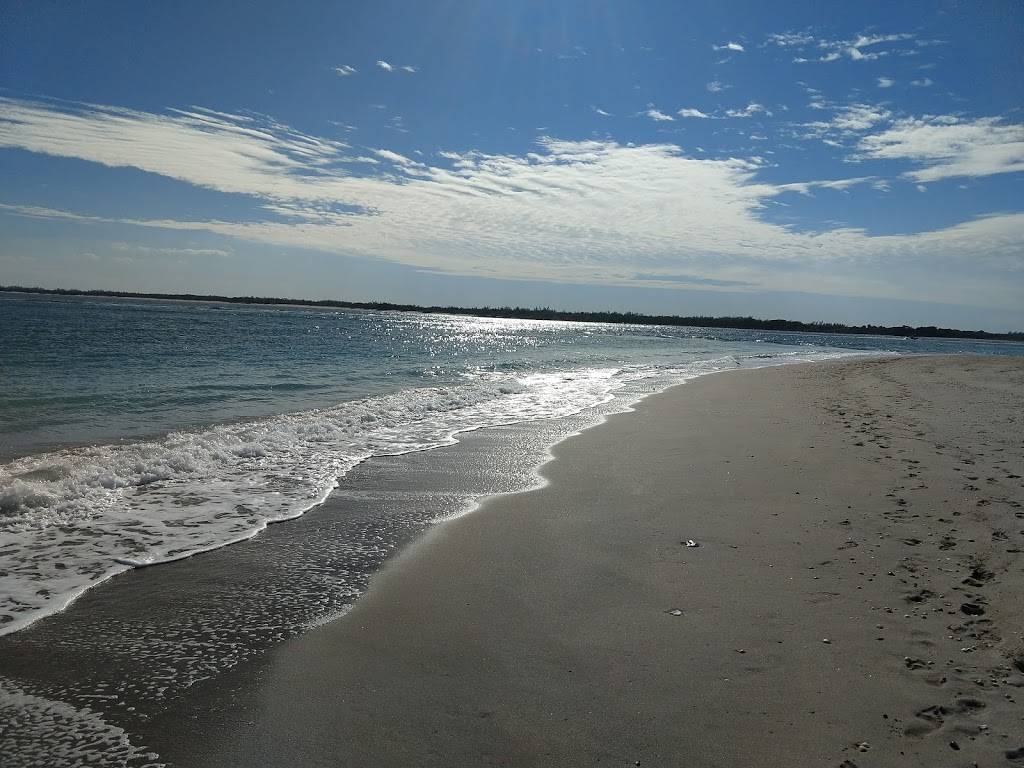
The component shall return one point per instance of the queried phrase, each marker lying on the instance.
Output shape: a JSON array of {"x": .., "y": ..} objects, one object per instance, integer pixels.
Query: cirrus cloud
[
  {"x": 568, "y": 211},
  {"x": 948, "y": 146}
]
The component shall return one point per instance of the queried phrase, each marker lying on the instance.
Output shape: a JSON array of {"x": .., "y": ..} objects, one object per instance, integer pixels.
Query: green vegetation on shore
[{"x": 632, "y": 318}]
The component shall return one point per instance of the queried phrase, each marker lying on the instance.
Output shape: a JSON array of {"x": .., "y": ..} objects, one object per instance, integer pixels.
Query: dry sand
[{"x": 855, "y": 599}]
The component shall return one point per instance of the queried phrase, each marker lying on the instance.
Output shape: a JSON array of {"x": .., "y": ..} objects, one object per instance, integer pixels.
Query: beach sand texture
[{"x": 855, "y": 599}]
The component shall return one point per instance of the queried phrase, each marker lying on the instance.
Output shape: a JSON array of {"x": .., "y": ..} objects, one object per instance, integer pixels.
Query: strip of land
[
  {"x": 546, "y": 313},
  {"x": 854, "y": 599}
]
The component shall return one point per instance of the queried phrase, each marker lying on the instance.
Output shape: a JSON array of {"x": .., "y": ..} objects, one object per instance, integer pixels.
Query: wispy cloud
[
  {"x": 847, "y": 121},
  {"x": 672, "y": 277},
  {"x": 730, "y": 46},
  {"x": 397, "y": 123},
  {"x": 576, "y": 52},
  {"x": 396, "y": 158},
  {"x": 863, "y": 47},
  {"x": 806, "y": 187},
  {"x": 941, "y": 146},
  {"x": 949, "y": 146},
  {"x": 791, "y": 39},
  {"x": 389, "y": 67},
  {"x": 716, "y": 86},
  {"x": 658, "y": 116},
  {"x": 690, "y": 112},
  {"x": 215, "y": 150},
  {"x": 345, "y": 70},
  {"x": 151, "y": 251},
  {"x": 924, "y": 82},
  {"x": 753, "y": 108},
  {"x": 886, "y": 82},
  {"x": 601, "y": 112},
  {"x": 542, "y": 214}
]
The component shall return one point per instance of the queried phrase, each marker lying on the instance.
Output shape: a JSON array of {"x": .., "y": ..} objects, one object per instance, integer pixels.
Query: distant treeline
[{"x": 632, "y": 318}]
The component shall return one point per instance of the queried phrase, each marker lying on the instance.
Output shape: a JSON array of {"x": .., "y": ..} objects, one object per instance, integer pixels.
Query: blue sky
[{"x": 860, "y": 162}]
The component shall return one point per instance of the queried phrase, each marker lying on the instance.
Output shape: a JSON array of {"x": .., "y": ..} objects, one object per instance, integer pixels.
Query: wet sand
[{"x": 855, "y": 598}]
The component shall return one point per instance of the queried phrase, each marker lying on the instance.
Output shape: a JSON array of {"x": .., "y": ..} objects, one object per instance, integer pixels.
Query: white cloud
[
  {"x": 544, "y": 214},
  {"x": 345, "y": 70},
  {"x": 791, "y": 39},
  {"x": 409, "y": 68},
  {"x": 924, "y": 82},
  {"x": 658, "y": 116},
  {"x": 716, "y": 86},
  {"x": 205, "y": 148},
  {"x": 835, "y": 49},
  {"x": 689, "y": 112},
  {"x": 859, "y": 117},
  {"x": 886, "y": 82},
  {"x": 394, "y": 157},
  {"x": 396, "y": 123},
  {"x": 863, "y": 41},
  {"x": 750, "y": 110},
  {"x": 385, "y": 66},
  {"x": 847, "y": 121},
  {"x": 948, "y": 146},
  {"x": 147, "y": 250},
  {"x": 601, "y": 112},
  {"x": 806, "y": 187},
  {"x": 576, "y": 52},
  {"x": 730, "y": 46}
]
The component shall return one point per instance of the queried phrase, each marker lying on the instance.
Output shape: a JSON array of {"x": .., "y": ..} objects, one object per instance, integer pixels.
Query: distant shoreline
[{"x": 524, "y": 313}]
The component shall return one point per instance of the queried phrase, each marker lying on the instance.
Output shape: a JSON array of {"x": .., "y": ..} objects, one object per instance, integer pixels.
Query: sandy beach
[{"x": 854, "y": 598}]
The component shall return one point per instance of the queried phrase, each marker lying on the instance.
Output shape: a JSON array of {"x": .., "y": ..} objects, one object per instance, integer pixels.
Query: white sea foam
[
  {"x": 72, "y": 518},
  {"x": 72, "y": 736}
]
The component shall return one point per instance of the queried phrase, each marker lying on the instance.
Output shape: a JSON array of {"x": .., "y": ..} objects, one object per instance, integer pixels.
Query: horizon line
[{"x": 527, "y": 313}]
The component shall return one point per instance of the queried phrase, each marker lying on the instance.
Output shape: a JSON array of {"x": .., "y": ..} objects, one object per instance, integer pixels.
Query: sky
[{"x": 852, "y": 162}]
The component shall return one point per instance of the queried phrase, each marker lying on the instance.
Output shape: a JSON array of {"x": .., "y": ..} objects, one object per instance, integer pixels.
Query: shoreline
[
  {"x": 81, "y": 657},
  {"x": 589, "y": 415},
  {"x": 156, "y": 639},
  {"x": 541, "y": 630}
]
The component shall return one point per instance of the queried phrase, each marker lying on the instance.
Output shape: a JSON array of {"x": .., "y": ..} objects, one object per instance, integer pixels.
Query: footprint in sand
[
  {"x": 933, "y": 718},
  {"x": 978, "y": 576},
  {"x": 919, "y": 596},
  {"x": 928, "y": 719}
]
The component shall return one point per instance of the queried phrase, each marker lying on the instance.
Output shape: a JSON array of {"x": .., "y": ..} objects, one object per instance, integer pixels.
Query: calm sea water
[{"x": 135, "y": 432}]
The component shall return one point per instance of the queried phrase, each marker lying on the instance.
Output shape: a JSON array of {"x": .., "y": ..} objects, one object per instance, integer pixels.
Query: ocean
[{"x": 140, "y": 432}]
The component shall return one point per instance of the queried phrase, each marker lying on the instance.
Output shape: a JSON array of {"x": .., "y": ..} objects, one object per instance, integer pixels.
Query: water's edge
[
  {"x": 141, "y": 648},
  {"x": 81, "y": 517}
]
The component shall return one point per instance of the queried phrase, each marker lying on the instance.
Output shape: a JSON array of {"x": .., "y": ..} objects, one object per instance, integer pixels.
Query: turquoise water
[{"x": 134, "y": 432}]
